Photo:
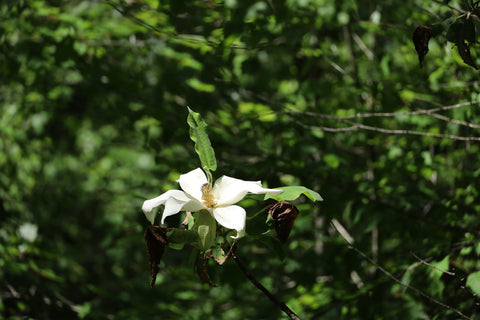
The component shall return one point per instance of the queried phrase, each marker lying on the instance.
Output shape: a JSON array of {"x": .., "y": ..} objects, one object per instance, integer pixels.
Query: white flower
[{"x": 198, "y": 194}]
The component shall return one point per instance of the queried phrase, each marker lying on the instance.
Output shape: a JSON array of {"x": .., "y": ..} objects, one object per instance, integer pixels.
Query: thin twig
[
  {"x": 459, "y": 122},
  {"x": 412, "y": 132},
  {"x": 431, "y": 265},
  {"x": 257, "y": 284},
  {"x": 384, "y": 114},
  {"x": 391, "y": 276},
  {"x": 353, "y": 126}
]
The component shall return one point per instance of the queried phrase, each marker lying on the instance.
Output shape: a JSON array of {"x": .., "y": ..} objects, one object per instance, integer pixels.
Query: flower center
[{"x": 207, "y": 196}]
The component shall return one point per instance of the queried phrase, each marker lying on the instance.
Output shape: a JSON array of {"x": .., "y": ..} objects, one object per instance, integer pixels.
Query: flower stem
[
  {"x": 261, "y": 211},
  {"x": 257, "y": 284}
]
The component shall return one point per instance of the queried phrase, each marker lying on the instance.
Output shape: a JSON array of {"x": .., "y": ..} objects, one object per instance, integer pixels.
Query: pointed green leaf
[
  {"x": 293, "y": 192},
  {"x": 440, "y": 267},
  {"x": 206, "y": 226},
  {"x": 203, "y": 147}
]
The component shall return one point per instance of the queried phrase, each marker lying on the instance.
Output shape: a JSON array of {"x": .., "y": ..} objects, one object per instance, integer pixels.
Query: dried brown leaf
[
  {"x": 464, "y": 52},
  {"x": 421, "y": 36},
  {"x": 284, "y": 213},
  {"x": 156, "y": 240}
]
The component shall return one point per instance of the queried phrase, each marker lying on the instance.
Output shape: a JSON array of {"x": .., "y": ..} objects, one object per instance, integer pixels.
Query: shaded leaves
[{"x": 461, "y": 31}]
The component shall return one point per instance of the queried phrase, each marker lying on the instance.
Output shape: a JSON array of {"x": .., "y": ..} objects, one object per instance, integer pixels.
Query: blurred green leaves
[{"x": 92, "y": 118}]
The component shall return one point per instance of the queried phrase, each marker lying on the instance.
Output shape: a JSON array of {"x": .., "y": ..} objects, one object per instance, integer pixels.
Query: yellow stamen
[{"x": 207, "y": 196}]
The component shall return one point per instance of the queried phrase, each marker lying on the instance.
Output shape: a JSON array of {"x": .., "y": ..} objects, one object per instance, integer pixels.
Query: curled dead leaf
[
  {"x": 284, "y": 214},
  {"x": 421, "y": 36},
  {"x": 156, "y": 240},
  {"x": 464, "y": 52}
]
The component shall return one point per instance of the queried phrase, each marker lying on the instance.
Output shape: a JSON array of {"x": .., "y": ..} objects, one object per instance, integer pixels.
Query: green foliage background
[{"x": 93, "y": 102}]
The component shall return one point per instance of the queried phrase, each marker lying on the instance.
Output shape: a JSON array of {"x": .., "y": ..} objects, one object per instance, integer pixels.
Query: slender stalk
[
  {"x": 257, "y": 213},
  {"x": 257, "y": 284}
]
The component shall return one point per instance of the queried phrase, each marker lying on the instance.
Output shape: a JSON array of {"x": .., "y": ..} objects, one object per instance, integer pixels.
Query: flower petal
[
  {"x": 231, "y": 217},
  {"x": 228, "y": 190},
  {"x": 174, "y": 200},
  {"x": 180, "y": 203},
  {"x": 192, "y": 183}
]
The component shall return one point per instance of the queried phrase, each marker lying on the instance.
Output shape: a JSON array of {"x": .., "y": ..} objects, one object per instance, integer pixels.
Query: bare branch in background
[{"x": 397, "y": 280}]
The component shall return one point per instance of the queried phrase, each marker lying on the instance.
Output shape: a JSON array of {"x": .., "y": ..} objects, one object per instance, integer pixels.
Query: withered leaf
[
  {"x": 201, "y": 268},
  {"x": 421, "y": 36},
  {"x": 156, "y": 240},
  {"x": 464, "y": 52},
  {"x": 284, "y": 213}
]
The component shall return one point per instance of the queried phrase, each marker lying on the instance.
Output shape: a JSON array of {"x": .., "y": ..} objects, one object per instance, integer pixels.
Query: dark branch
[{"x": 257, "y": 284}]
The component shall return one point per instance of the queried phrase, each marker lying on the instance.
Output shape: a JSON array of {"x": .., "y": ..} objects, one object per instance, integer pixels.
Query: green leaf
[
  {"x": 438, "y": 28},
  {"x": 206, "y": 226},
  {"x": 218, "y": 254},
  {"x": 473, "y": 282},
  {"x": 454, "y": 32},
  {"x": 83, "y": 309},
  {"x": 440, "y": 266},
  {"x": 199, "y": 136},
  {"x": 469, "y": 31},
  {"x": 462, "y": 30},
  {"x": 293, "y": 192},
  {"x": 436, "y": 285},
  {"x": 176, "y": 246}
]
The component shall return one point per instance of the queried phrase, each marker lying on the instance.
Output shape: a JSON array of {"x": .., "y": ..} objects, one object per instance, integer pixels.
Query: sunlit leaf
[
  {"x": 203, "y": 147},
  {"x": 473, "y": 282},
  {"x": 291, "y": 193}
]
